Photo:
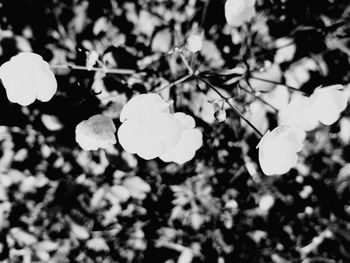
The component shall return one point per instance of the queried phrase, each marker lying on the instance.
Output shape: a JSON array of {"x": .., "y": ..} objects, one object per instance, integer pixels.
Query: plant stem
[
  {"x": 184, "y": 60},
  {"x": 277, "y": 83},
  {"x": 258, "y": 97},
  {"x": 106, "y": 70},
  {"x": 257, "y": 132},
  {"x": 176, "y": 82}
]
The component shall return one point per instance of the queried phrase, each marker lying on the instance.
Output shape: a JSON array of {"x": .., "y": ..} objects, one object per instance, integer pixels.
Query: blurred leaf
[
  {"x": 79, "y": 231},
  {"x": 51, "y": 122},
  {"x": 22, "y": 237}
]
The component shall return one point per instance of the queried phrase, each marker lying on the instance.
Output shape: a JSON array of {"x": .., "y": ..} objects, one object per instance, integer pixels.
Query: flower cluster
[
  {"x": 324, "y": 106},
  {"x": 239, "y": 11},
  {"x": 278, "y": 149},
  {"x": 27, "y": 77},
  {"x": 150, "y": 130}
]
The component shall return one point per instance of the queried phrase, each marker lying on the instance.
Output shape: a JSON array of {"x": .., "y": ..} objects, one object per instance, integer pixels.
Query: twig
[
  {"x": 277, "y": 83},
  {"x": 176, "y": 82},
  {"x": 184, "y": 60},
  {"x": 254, "y": 93},
  {"x": 231, "y": 105},
  {"x": 105, "y": 70}
]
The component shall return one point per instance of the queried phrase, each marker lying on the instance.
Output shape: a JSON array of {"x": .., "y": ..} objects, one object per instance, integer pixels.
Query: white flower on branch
[
  {"x": 278, "y": 149},
  {"x": 27, "y": 77},
  {"x": 328, "y": 103},
  {"x": 96, "y": 132},
  {"x": 298, "y": 113},
  {"x": 239, "y": 11},
  {"x": 151, "y": 131},
  {"x": 190, "y": 141}
]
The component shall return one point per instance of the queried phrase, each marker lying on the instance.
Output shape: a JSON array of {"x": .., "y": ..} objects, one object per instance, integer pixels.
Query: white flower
[
  {"x": 149, "y": 136},
  {"x": 298, "y": 113},
  {"x": 328, "y": 103},
  {"x": 195, "y": 43},
  {"x": 27, "y": 77},
  {"x": 239, "y": 11},
  {"x": 148, "y": 128},
  {"x": 190, "y": 141},
  {"x": 278, "y": 149},
  {"x": 96, "y": 132},
  {"x": 150, "y": 131},
  {"x": 142, "y": 106}
]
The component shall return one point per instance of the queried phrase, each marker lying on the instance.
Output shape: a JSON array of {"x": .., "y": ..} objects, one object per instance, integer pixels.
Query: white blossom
[
  {"x": 151, "y": 131},
  {"x": 27, "y": 77},
  {"x": 148, "y": 128},
  {"x": 298, "y": 113},
  {"x": 328, "y": 103},
  {"x": 190, "y": 141},
  {"x": 278, "y": 149},
  {"x": 96, "y": 132}
]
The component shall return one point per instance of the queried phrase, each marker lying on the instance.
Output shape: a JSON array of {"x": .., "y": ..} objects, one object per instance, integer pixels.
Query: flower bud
[{"x": 220, "y": 115}]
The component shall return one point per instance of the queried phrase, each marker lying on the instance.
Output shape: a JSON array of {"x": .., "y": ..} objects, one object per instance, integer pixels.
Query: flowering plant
[{"x": 197, "y": 131}]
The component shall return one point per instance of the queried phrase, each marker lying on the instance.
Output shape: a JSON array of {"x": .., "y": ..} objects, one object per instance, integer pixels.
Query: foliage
[{"x": 60, "y": 203}]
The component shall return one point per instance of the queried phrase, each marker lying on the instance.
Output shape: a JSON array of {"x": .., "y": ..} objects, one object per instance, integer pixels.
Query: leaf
[
  {"x": 162, "y": 41},
  {"x": 97, "y": 244},
  {"x": 101, "y": 25},
  {"x": 47, "y": 245},
  {"x": 79, "y": 231},
  {"x": 22, "y": 237},
  {"x": 120, "y": 192},
  {"x": 186, "y": 256},
  {"x": 51, "y": 122},
  {"x": 97, "y": 198},
  {"x": 137, "y": 187}
]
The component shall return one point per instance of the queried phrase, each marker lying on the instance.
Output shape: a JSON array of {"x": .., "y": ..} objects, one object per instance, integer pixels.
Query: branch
[
  {"x": 258, "y": 133},
  {"x": 277, "y": 83},
  {"x": 105, "y": 70},
  {"x": 176, "y": 82},
  {"x": 257, "y": 96}
]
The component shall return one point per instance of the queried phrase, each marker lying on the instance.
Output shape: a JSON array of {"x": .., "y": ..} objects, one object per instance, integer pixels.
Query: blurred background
[{"x": 59, "y": 203}]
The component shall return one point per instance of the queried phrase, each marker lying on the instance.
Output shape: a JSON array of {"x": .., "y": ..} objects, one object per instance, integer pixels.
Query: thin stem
[
  {"x": 258, "y": 97},
  {"x": 184, "y": 60},
  {"x": 277, "y": 83},
  {"x": 204, "y": 13},
  {"x": 258, "y": 133},
  {"x": 176, "y": 82},
  {"x": 106, "y": 70}
]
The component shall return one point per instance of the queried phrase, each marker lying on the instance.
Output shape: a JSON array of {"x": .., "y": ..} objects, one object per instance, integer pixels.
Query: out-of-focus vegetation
[{"x": 59, "y": 203}]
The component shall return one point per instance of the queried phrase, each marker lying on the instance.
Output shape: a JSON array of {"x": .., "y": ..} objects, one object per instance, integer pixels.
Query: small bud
[{"x": 220, "y": 115}]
